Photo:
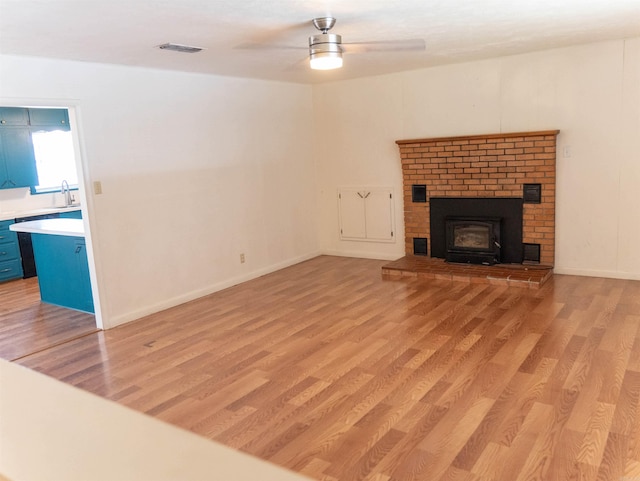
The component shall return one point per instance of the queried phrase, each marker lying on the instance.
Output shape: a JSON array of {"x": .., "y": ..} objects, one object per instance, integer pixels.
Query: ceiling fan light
[
  {"x": 326, "y": 60},
  {"x": 325, "y": 52}
]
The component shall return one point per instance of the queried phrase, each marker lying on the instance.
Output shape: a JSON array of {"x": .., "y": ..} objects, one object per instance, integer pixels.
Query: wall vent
[
  {"x": 532, "y": 193},
  {"x": 531, "y": 253},
  {"x": 420, "y": 246},
  {"x": 418, "y": 193},
  {"x": 176, "y": 47}
]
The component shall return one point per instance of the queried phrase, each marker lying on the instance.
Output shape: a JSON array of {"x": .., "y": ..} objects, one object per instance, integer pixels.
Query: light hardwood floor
[
  {"x": 28, "y": 325},
  {"x": 331, "y": 370}
]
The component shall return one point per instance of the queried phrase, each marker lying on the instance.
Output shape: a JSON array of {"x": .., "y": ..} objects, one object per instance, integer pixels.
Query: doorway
[{"x": 28, "y": 325}]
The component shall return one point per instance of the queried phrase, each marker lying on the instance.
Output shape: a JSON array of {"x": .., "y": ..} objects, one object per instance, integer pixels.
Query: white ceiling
[{"x": 128, "y": 31}]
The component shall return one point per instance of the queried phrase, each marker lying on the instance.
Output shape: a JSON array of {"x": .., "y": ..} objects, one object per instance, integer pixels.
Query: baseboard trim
[
  {"x": 175, "y": 301},
  {"x": 631, "y": 276},
  {"x": 363, "y": 255},
  {"x": 205, "y": 291}
]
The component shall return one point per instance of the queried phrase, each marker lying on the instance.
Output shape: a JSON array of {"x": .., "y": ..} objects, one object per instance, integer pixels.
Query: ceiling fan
[{"x": 326, "y": 49}]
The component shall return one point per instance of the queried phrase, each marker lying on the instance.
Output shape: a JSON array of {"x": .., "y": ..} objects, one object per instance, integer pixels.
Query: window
[{"x": 55, "y": 160}]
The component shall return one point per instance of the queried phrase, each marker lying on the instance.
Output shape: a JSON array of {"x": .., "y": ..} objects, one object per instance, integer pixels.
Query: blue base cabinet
[
  {"x": 63, "y": 271},
  {"x": 74, "y": 214},
  {"x": 10, "y": 261}
]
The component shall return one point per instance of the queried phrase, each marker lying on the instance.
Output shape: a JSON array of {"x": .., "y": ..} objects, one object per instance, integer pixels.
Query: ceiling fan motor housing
[{"x": 325, "y": 43}]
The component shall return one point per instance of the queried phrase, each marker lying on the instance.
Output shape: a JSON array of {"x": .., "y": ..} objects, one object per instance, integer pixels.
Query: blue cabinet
[
  {"x": 10, "y": 262},
  {"x": 17, "y": 159},
  {"x": 74, "y": 214},
  {"x": 13, "y": 116},
  {"x": 63, "y": 271},
  {"x": 49, "y": 119}
]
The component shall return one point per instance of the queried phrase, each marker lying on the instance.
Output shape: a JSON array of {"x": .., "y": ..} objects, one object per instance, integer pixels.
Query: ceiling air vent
[{"x": 176, "y": 47}]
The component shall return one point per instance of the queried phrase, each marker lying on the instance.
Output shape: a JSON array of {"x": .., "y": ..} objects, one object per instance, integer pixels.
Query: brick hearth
[{"x": 525, "y": 276}]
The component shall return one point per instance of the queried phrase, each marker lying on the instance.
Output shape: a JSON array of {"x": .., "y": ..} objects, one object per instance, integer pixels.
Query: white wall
[
  {"x": 590, "y": 92},
  {"x": 195, "y": 170},
  {"x": 17, "y": 200}
]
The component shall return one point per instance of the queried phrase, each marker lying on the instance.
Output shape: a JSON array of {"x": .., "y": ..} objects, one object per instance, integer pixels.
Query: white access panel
[
  {"x": 366, "y": 213},
  {"x": 378, "y": 211},
  {"x": 351, "y": 210}
]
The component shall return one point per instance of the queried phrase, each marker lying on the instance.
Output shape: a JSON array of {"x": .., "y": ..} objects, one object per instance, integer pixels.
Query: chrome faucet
[{"x": 64, "y": 190}]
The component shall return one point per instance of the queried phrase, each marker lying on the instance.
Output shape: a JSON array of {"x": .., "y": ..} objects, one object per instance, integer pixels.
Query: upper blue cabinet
[
  {"x": 11, "y": 116},
  {"x": 17, "y": 159},
  {"x": 49, "y": 119}
]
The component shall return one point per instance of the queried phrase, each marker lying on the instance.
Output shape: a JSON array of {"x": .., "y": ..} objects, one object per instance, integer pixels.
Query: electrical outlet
[
  {"x": 241, "y": 258},
  {"x": 97, "y": 187}
]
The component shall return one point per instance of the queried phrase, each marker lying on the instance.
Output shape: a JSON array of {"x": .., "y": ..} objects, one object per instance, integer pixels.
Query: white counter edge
[
  {"x": 64, "y": 227},
  {"x": 51, "y": 430},
  {"x": 19, "y": 214}
]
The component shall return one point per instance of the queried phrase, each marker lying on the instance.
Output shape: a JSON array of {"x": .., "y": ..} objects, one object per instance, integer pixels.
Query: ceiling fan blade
[
  {"x": 267, "y": 46},
  {"x": 272, "y": 37},
  {"x": 415, "y": 44},
  {"x": 298, "y": 64}
]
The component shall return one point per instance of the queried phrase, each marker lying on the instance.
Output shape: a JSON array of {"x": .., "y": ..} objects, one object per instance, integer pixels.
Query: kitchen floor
[{"x": 28, "y": 325}]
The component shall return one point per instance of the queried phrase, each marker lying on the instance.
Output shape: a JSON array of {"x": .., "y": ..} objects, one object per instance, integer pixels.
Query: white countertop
[
  {"x": 17, "y": 214},
  {"x": 51, "y": 430},
  {"x": 67, "y": 227}
]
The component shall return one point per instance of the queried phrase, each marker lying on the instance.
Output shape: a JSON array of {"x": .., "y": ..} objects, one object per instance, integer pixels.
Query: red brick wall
[{"x": 495, "y": 165}]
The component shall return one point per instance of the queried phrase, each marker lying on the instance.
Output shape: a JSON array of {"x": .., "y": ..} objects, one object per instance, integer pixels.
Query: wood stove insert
[
  {"x": 504, "y": 214},
  {"x": 473, "y": 240}
]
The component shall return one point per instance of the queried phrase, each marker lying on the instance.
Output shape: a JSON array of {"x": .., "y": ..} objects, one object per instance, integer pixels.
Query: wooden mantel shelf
[{"x": 483, "y": 136}]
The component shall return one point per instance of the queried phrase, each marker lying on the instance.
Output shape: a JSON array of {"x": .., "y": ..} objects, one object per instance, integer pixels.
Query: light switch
[{"x": 97, "y": 187}]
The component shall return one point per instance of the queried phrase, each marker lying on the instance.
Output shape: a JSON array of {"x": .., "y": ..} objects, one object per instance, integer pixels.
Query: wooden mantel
[{"x": 483, "y": 136}]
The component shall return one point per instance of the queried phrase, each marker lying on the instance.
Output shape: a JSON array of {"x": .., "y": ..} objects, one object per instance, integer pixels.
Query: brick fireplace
[{"x": 513, "y": 165}]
